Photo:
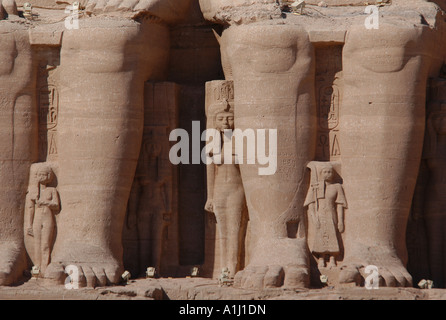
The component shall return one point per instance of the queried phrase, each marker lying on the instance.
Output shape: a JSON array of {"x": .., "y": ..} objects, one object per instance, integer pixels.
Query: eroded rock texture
[{"x": 352, "y": 100}]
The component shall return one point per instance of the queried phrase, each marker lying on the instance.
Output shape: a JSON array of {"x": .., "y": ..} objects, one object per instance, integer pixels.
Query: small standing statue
[
  {"x": 42, "y": 204},
  {"x": 226, "y": 196},
  {"x": 326, "y": 203}
]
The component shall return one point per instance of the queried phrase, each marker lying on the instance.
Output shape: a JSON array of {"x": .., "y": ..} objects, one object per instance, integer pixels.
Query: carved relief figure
[
  {"x": 226, "y": 197},
  {"x": 150, "y": 203},
  {"x": 326, "y": 203},
  {"x": 151, "y": 224},
  {"x": 435, "y": 202},
  {"x": 42, "y": 205}
]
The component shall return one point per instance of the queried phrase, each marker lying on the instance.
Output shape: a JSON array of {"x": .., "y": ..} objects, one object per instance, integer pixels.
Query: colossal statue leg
[
  {"x": 104, "y": 65},
  {"x": 272, "y": 70},
  {"x": 18, "y": 143},
  {"x": 382, "y": 127}
]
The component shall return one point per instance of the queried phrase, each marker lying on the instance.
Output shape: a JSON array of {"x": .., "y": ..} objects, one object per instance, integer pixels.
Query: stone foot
[
  {"x": 12, "y": 262},
  {"x": 97, "y": 269},
  {"x": 391, "y": 270},
  {"x": 279, "y": 263},
  {"x": 332, "y": 263}
]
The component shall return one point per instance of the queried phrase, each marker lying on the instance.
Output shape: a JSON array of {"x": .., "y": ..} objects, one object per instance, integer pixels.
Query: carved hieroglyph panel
[
  {"x": 49, "y": 107},
  {"x": 48, "y": 103},
  {"x": 48, "y": 116},
  {"x": 329, "y": 97}
]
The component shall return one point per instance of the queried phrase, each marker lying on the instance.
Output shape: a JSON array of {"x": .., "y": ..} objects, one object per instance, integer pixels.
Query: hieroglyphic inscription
[
  {"x": 48, "y": 116},
  {"x": 329, "y": 95},
  {"x": 224, "y": 92},
  {"x": 48, "y": 103}
]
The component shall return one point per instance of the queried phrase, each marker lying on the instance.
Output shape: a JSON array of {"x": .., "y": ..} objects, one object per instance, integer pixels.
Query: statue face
[
  {"x": 327, "y": 174},
  {"x": 224, "y": 121},
  {"x": 43, "y": 176}
]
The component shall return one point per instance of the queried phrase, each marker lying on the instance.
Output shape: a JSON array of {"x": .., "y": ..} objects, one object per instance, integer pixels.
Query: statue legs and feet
[
  {"x": 18, "y": 144},
  {"x": 383, "y": 119},
  {"x": 101, "y": 127},
  {"x": 273, "y": 85}
]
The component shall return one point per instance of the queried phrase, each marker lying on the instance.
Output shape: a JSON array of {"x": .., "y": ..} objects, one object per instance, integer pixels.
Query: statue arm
[
  {"x": 340, "y": 211},
  {"x": 313, "y": 214},
  {"x": 210, "y": 170},
  {"x": 310, "y": 202},
  {"x": 341, "y": 204},
  {"x": 30, "y": 209},
  {"x": 165, "y": 194},
  {"x": 54, "y": 204}
]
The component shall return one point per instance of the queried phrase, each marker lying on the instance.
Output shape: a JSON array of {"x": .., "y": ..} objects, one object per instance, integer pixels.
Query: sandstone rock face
[{"x": 330, "y": 123}]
